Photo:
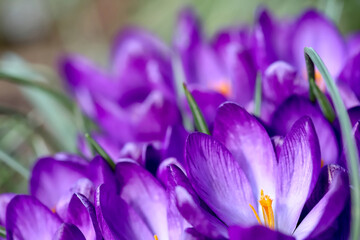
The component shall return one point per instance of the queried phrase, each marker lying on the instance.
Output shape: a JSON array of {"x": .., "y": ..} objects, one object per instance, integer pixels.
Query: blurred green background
[{"x": 35, "y": 33}]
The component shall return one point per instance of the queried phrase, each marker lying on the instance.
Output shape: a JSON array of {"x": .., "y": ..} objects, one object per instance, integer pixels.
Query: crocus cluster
[{"x": 280, "y": 174}]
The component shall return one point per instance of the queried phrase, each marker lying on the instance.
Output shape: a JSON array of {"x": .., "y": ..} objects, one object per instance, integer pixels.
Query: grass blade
[
  {"x": 97, "y": 148},
  {"x": 38, "y": 85},
  {"x": 258, "y": 92},
  {"x": 352, "y": 156},
  {"x": 12, "y": 163},
  {"x": 196, "y": 112}
]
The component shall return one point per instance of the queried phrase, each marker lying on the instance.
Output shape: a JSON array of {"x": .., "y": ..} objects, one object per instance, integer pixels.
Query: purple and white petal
[
  {"x": 192, "y": 208},
  {"x": 5, "y": 199},
  {"x": 315, "y": 30},
  {"x": 219, "y": 180},
  {"x": 327, "y": 209},
  {"x": 296, "y": 107},
  {"x": 299, "y": 168},
  {"x": 142, "y": 192},
  {"x": 51, "y": 179},
  {"x": 27, "y": 218},
  {"x": 68, "y": 232},
  {"x": 117, "y": 219},
  {"x": 250, "y": 146}
]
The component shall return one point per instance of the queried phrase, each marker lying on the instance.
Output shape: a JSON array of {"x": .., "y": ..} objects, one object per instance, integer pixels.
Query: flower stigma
[{"x": 267, "y": 211}]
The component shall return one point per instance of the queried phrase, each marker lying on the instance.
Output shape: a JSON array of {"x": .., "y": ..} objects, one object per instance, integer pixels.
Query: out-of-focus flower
[
  {"x": 228, "y": 173},
  {"x": 218, "y": 70},
  {"x": 132, "y": 101}
]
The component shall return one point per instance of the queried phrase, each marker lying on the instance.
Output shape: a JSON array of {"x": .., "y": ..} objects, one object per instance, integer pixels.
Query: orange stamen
[
  {"x": 267, "y": 211},
  {"x": 322, "y": 163},
  {"x": 156, "y": 237},
  {"x": 224, "y": 88}
]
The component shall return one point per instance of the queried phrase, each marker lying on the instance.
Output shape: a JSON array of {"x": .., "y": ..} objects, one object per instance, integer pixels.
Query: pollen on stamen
[
  {"x": 224, "y": 88},
  {"x": 267, "y": 211},
  {"x": 156, "y": 237}
]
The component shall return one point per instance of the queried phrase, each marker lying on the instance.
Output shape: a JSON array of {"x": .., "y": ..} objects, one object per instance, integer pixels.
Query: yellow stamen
[
  {"x": 53, "y": 210},
  {"x": 224, "y": 88},
  {"x": 267, "y": 211},
  {"x": 256, "y": 215},
  {"x": 322, "y": 163},
  {"x": 156, "y": 237}
]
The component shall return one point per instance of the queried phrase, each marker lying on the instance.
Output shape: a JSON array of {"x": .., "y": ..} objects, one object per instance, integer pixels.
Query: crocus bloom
[
  {"x": 27, "y": 218},
  {"x": 136, "y": 93},
  {"x": 140, "y": 210},
  {"x": 237, "y": 178},
  {"x": 218, "y": 70}
]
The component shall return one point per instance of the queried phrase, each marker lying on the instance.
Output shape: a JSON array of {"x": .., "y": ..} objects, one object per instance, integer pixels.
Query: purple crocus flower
[
  {"x": 218, "y": 70},
  {"x": 28, "y": 218},
  {"x": 140, "y": 209},
  {"x": 62, "y": 191},
  {"x": 136, "y": 92},
  {"x": 228, "y": 173}
]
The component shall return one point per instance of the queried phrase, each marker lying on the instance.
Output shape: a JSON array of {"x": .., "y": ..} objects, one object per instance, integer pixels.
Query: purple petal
[
  {"x": 250, "y": 145},
  {"x": 328, "y": 208},
  {"x": 218, "y": 179},
  {"x": 350, "y": 74},
  {"x": 26, "y": 218},
  {"x": 5, "y": 199},
  {"x": 99, "y": 172},
  {"x": 192, "y": 234},
  {"x": 145, "y": 195},
  {"x": 296, "y": 107},
  {"x": 187, "y": 39},
  {"x": 269, "y": 36},
  {"x": 140, "y": 63},
  {"x": 68, "y": 232},
  {"x": 280, "y": 81},
  {"x": 208, "y": 102},
  {"x": 256, "y": 232},
  {"x": 299, "y": 167},
  {"x": 80, "y": 211},
  {"x": 190, "y": 206},
  {"x": 117, "y": 219},
  {"x": 162, "y": 172},
  {"x": 233, "y": 49},
  {"x": 316, "y": 31},
  {"x": 347, "y": 95},
  {"x": 52, "y": 179},
  {"x": 353, "y": 44}
]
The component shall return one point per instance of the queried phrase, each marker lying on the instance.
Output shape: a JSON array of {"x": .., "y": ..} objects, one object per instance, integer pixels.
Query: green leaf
[
  {"x": 97, "y": 148},
  {"x": 351, "y": 150},
  {"x": 196, "y": 112},
  {"x": 324, "y": 103},
  {"x": 11, "y": 162},
  {"x": 2, "y": 232},
  {"x": 258, "y": 93},
  {"x": 37, "y": 85}
]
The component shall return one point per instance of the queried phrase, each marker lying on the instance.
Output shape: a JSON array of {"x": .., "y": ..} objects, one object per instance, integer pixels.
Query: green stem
[{"x": 351, "y": 150}]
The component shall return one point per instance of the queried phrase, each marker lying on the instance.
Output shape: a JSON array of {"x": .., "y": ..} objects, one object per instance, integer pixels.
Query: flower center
[
  {"x": 156, "y": 237},
  {"x": 224, "y": 88},
  {"x": 267, "y": 211}
]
